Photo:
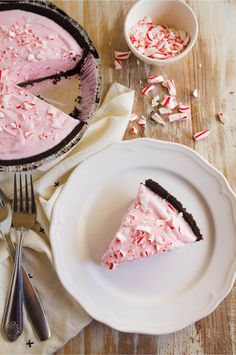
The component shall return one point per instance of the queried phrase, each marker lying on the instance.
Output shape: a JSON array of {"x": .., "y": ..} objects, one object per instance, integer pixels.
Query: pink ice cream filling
[
  {"x": 33, "y": 46},
  {"x": 151, "y": 225},
  {"x": 29, "y": 125}
]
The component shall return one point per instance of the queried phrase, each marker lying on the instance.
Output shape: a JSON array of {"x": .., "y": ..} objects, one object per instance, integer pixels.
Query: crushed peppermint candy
[
  {"x": 31, "y": 57},
  {"x": 170, "y": 84},
  {"x": 155, "y": 79},
  {"x": 157, "y": 118},
  {"x": 151, "y": 238},
  {"x": 120, "y": 237},
  {"x": 122, "y": 55},
  {"x": 158, "y": 41},
  {"x": 43, "y": 136},
  {"x": 178, "y": 117},
  {"x": 118, "y": 64},
  {"x": 28, "y": 134},
  {"x": 2, "y": 114},
  {"x": 183, "y": 108},
  {"x": 13, "y": 125},
  {"x": 52, "y": 110},
  {"x": 28, "y": 105},
  {"x": 5, "y": 100},
  {"x": 195, "y": 93},
  {"x": 133, "y": 130},
  {"x": 222, "y": 117},
  {"x": 169, "y": 102},
  {"x": 146, "y": 229},
  {"x": 142, "y": 122},
  {"x": 39, "y": 56},
  {"x": 147, "y": 90},
  {"x": 133, "y": 117},
  {"x": 164, "y": 110},
  {"x": 201, "y": 135},
  {"x": 155, "y": 101},
  {"x": 55, "y": 123}
]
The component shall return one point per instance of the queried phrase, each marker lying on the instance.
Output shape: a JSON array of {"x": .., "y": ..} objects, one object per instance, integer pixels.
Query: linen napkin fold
[{"x": 65, "y": 315}]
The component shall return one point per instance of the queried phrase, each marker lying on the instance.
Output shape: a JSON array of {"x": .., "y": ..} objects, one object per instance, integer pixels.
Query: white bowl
[{"x": 173, "y": 13}]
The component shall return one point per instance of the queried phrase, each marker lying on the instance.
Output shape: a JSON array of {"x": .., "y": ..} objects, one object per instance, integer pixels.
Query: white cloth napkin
[{"x": 65, "y": 315}]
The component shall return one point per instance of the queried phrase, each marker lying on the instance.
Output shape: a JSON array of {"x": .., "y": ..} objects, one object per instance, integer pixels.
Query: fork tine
[
  {"x": 33, "y": 204},
  {"x": 15, "y": 195},
  {"x": 26, "y": 195},
  {"x": 21, "y": 196},
  {"x": 3, "y": 197}
]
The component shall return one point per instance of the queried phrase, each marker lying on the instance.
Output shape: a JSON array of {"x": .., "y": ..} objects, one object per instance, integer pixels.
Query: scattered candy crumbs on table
[
  {"x": 118, "y": 64},
  {"x": 164, "y": 110},
  {"x": 155, "y": 101},
  {"x": 158, "y": 41},
  {"x": 155, "y": 79},
  {"x": 183, "y": 107},
  {"x": 178, "y": 117},
  {"x": 157, "y": 118},
  {"x": 201, "y": 135},
  {"x": 142, "y": 121},
  {"x": 147, "y": 90},
  {"x": 170, "y": 84},
  {"x": 122, "y": 55},
  {"x": 169, "y": 102},
  {"x": 133, "y": 117},
  {"x": 133, "y": 130},
  {"x": 195, "y": 93}
]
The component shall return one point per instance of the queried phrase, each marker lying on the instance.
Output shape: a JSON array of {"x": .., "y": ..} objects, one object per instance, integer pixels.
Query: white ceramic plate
[{"x": 162, "y": 293}]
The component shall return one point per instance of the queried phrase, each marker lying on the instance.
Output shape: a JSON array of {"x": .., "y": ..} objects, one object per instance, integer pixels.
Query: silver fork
[
  {"x": 32, "y": 301},
  {"x": 23, "y": 219}
]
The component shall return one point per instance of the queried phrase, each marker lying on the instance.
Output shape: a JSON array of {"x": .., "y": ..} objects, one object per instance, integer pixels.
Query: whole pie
[{"x": 32, "y": 48}]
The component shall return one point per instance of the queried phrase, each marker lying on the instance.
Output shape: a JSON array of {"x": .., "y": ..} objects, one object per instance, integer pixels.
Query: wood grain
[{"x": 216, "y": 81}]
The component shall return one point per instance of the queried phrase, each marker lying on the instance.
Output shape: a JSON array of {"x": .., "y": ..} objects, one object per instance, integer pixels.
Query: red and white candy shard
[
  {"x": 142, "y": 122},
  {"x": 222, "y": 117},
  {"x": 169, "y": 102},
  {"x": 166, "y": 100},
  {"x": 184, "y": 108},
  {"x": 195, "y": 93},
  {"x": 170, "y": 84},
  {"x": 155, "y": 101},
  {"x": 201, "y": 135},
  {"x": 122, "y": 55},
  {"x": 157, "y": 118},
  {"x": 158, "y": 41},
  {"x": 147, "y": 90},
  {"x": 133, "y": 117},
  {"x": 151, "y": 225},
  {"x": 133, "y": 130},
  {"x": 155, "y": 79},
  {"x": 164, "y": 83},
  {"x": 164, "y": 110},
  {"x": 118, "y": 64},
  {"x": 178, "y": 117}
]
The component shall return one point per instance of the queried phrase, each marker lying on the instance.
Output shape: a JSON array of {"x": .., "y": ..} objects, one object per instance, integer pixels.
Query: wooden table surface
[{"x": 216, "y": 81}]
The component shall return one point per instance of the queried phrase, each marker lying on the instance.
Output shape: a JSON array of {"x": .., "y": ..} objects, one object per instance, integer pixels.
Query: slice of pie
[
  {"x": 29, "y": 125},
  {"x": 155, "y": 222}
]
